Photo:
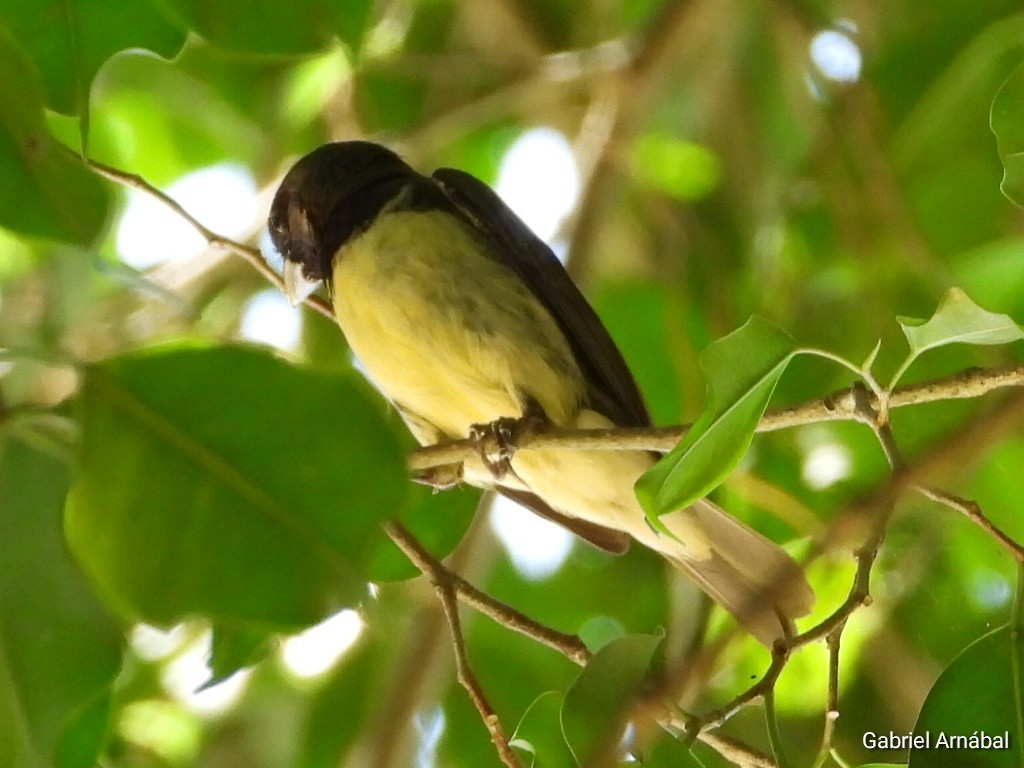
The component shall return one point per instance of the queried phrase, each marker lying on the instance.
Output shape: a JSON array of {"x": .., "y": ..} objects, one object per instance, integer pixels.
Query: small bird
[{"x": 469, "y": 325}]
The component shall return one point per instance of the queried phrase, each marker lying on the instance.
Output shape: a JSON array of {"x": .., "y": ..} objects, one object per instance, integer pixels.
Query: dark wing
[{"x": 610, "y": 384}]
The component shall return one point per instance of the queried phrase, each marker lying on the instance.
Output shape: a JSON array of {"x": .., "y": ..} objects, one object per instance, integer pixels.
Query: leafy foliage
[
  {"x": 59, "y": 647},
  {"x": 1006, "y": 110},
  {"x": 593, "y": 705},
  {"x": 268, "y": 529},
  {"x": 741, "y": 370},
  {"x": 46, "y": 192},
  {"x": 985, "y": 680}
]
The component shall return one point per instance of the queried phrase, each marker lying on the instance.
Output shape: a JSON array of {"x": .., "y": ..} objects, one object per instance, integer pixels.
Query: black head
[{"x": 328, "y": 197}]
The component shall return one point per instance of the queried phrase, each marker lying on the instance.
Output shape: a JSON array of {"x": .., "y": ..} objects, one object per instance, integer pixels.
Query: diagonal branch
[
  {"x": 444, "y": 582},
  {"x": 214, "y": 240},
  {"x": 569, "y": 646}
]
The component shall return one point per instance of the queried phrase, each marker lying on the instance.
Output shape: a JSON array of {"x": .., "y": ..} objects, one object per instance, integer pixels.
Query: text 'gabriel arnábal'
[{"x": 941, "y": 740}]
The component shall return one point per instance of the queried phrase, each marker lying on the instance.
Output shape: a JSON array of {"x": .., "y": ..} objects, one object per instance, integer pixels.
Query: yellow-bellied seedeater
[{"x": 464, "y": 318}]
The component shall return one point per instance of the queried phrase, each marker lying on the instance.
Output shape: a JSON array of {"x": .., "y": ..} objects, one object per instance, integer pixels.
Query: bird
[{"x": 469, "y": 325}]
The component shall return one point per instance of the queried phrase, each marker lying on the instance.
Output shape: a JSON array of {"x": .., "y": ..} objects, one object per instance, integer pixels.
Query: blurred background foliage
[{"x": 828, "y": 165}]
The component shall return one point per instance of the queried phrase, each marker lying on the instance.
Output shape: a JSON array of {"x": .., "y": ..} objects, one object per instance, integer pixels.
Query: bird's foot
[{"x": 498, "y": 440}]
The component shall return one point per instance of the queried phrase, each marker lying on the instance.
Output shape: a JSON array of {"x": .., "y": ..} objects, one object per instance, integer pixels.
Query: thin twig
[
  {"x": 569, "y": 646},
  {"x": 838, "y": 406},
  {"x": 718, "y": 717},
  {"x": 737, "y": 752},
  {"x": 214, "y": 240},
  {"x": 466, "y": 676},
  {"x": 833, "y": 641},
  {"x": 858, "y": 596},
  {"x": 993, "y": 425},
  {"x": 972, "y": 511},
  {"x": 445, "y": 586},
  {"x": 626, "y": 100},
  {"x": 861, "y": 409}
]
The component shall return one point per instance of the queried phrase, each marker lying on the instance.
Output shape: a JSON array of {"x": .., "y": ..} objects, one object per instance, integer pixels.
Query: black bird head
[{"x": 329, "y": 196}]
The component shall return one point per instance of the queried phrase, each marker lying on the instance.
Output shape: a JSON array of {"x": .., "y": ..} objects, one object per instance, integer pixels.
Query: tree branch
[
  {"x": 214, "y": 240},
  {"x": 838, "y": 406},
  {"x": 996, "y": 423},
  {"x": 972, "y": 511},
  {"x": 832, "y": 705},
  {"x": 444, "y": 582},
  {"x": 569, "y": 646}
]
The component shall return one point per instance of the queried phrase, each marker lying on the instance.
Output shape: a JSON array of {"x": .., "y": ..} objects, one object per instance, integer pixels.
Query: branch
[
  {"x": 214, "y": 240},
  {"x": 740, "y": 754},
  {"x": 623, "y": 106},
  {"x": 569, "y": 646},
  {"x": 838, "y": 406},
  {"x": 972, "y": 511},
  {"x": 774, "y": 735},
  {"x": 444, "y": 582},
  {"x": 832, "y": 706},
  {"x": 993, "y": 425},
  {"x": 449, "y": 601}
]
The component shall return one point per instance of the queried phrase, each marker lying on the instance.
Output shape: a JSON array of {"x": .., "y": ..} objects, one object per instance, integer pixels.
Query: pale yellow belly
[{"x": 446, "y": 333}]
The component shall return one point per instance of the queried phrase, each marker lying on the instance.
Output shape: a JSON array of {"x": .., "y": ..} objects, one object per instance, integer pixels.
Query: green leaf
[
  {"x": 958, "y": 320},
  {"x": 980, "y": 691},
  {"x": 300, "y": 26},
  {"x": 437, "y": 520},
  {"x": 46, "y": 192},
  {"x": 225, "y": 482},
  {"x": 69, "y": 41},
  {"x": 741, "y": 371},
  {"x": 59, "y": 649},
  {"x": 232, "y": 649},
  {"x": 600, "y": 696},
  {"x": 539, "y": 734},
  {"x": 1007, "y": 122},
  {"x": 869, "y": 361}
]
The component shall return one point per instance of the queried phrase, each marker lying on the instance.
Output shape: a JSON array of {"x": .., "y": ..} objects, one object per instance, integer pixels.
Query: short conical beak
[{"x": 296, "y": 285}]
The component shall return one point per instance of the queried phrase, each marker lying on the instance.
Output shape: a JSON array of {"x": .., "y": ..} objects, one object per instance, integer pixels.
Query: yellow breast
[{"x": 447, "y": 332}]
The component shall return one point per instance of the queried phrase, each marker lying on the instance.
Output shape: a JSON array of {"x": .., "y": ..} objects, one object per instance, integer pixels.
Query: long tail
[{"x": 750, "y": 576}]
